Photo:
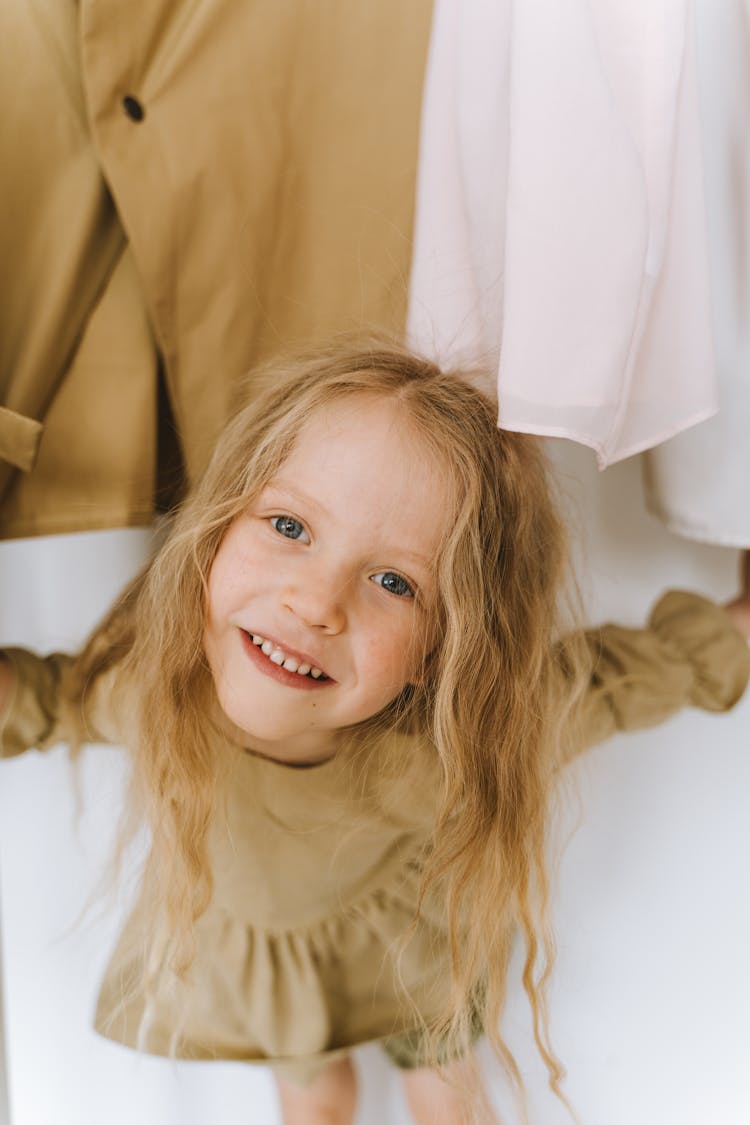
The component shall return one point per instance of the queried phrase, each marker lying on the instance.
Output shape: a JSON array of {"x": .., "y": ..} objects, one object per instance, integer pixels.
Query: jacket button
[{"x": 133, "y": 108}]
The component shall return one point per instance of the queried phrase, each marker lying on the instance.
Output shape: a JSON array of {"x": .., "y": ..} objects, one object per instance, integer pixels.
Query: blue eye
[
  {"x": 290, "y": 528},
  {"x": 393, "y": 583}
]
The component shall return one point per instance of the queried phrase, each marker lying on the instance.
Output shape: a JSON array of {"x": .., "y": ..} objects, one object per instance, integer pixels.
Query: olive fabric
[
  {"x": 317, "y": 869},
  {"x": 188, "y": 188}
]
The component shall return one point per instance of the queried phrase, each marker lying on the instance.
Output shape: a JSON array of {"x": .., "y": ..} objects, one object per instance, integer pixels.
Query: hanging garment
[
  {"x": 560, "y": 234},
  {"x": 194, "y": 186},
  {"x": 699, "y": 482}
]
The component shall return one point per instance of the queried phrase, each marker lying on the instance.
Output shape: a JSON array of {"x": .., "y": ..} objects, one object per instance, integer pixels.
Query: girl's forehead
[
  {"x": 368, "y": 449},
  {"x": 378, "y": 419}
]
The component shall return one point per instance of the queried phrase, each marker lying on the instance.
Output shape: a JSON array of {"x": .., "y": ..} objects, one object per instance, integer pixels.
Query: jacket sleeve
[
  {"x": 35, "y": 715},
  {"x": 690, "y": 655}
]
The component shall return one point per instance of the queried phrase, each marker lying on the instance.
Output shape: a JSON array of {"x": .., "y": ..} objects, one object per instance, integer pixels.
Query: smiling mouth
[{"x": 276, "y": 655}]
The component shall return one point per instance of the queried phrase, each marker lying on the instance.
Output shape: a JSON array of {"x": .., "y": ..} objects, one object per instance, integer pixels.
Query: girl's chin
[{"x": 287, "y": 747}]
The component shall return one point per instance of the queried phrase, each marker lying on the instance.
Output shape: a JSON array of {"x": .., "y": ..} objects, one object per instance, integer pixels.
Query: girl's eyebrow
[
  {"x": 301, "y": 497},
  {"x": 288, "y": 489}
]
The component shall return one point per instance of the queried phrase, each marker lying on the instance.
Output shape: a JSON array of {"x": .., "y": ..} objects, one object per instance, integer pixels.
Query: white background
[{"x": 651, "y": 993}]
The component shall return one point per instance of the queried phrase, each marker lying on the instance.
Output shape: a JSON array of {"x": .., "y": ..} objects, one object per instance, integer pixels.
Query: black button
[{"x": 133, "y": 108}]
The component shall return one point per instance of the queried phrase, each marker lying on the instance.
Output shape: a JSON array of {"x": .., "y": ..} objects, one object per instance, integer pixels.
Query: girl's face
[{"x": 321, "y": 595}]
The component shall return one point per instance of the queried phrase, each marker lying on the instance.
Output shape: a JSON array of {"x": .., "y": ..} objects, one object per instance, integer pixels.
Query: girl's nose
[{"x": 318, "y": 605}]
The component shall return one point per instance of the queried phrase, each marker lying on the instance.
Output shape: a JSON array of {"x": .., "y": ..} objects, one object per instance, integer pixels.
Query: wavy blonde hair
[{"x": 495, "y": 695}]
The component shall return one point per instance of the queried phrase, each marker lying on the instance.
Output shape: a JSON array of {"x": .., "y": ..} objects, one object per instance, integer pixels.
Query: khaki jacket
[{"x": 188, "y": 187}]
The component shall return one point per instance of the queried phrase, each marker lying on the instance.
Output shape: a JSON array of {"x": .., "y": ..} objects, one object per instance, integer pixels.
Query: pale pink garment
[
  {"x": 698, "y": 483},
  {"x": 560, "y": 232}
]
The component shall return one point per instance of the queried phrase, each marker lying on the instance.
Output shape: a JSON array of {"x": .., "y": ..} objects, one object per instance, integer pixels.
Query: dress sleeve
[
  {"x": 690, "y": 655},
  {"x": 35, "y": 715}
]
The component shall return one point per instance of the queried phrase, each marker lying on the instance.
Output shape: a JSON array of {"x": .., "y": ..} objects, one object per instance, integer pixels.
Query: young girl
[{"x": 347, "y": 696}]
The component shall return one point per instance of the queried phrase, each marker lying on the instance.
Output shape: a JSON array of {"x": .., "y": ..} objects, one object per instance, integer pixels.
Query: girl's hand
[{"x": 739, "y": 608}]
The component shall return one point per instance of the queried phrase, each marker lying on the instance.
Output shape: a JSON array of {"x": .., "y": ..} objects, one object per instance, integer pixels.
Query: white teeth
[{"x": 277, "y": 656}]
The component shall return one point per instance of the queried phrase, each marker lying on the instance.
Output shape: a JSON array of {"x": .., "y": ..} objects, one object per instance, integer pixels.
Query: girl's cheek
[
  {"x": 383, "y": 659},
  {"x": 406, "y": 659}
]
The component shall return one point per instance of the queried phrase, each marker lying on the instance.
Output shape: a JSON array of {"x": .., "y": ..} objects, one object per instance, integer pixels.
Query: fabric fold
[{"x": 19, "y": 439}]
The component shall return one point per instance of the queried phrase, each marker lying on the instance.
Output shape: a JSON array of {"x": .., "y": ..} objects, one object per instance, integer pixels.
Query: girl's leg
[
  {"x": 434, "y": 1100},
  {"x": 330, "y": 1099}
]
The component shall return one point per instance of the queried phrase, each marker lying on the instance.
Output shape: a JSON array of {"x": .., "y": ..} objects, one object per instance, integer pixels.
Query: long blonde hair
[{"x": 490, "y": 701}]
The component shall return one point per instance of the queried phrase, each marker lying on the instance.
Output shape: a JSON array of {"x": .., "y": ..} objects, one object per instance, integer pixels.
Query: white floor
[{"x": 651, "y": 994}]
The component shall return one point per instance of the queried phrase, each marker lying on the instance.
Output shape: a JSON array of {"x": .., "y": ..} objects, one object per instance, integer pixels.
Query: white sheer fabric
[
  {"x": 560, "y": 233},
  {"x": 699, "y": 482}
]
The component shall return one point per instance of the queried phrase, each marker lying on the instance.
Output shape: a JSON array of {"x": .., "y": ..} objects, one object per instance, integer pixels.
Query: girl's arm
[
  {"x": 33, "y": 711},
  {"x": 693, "y": 653}
]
